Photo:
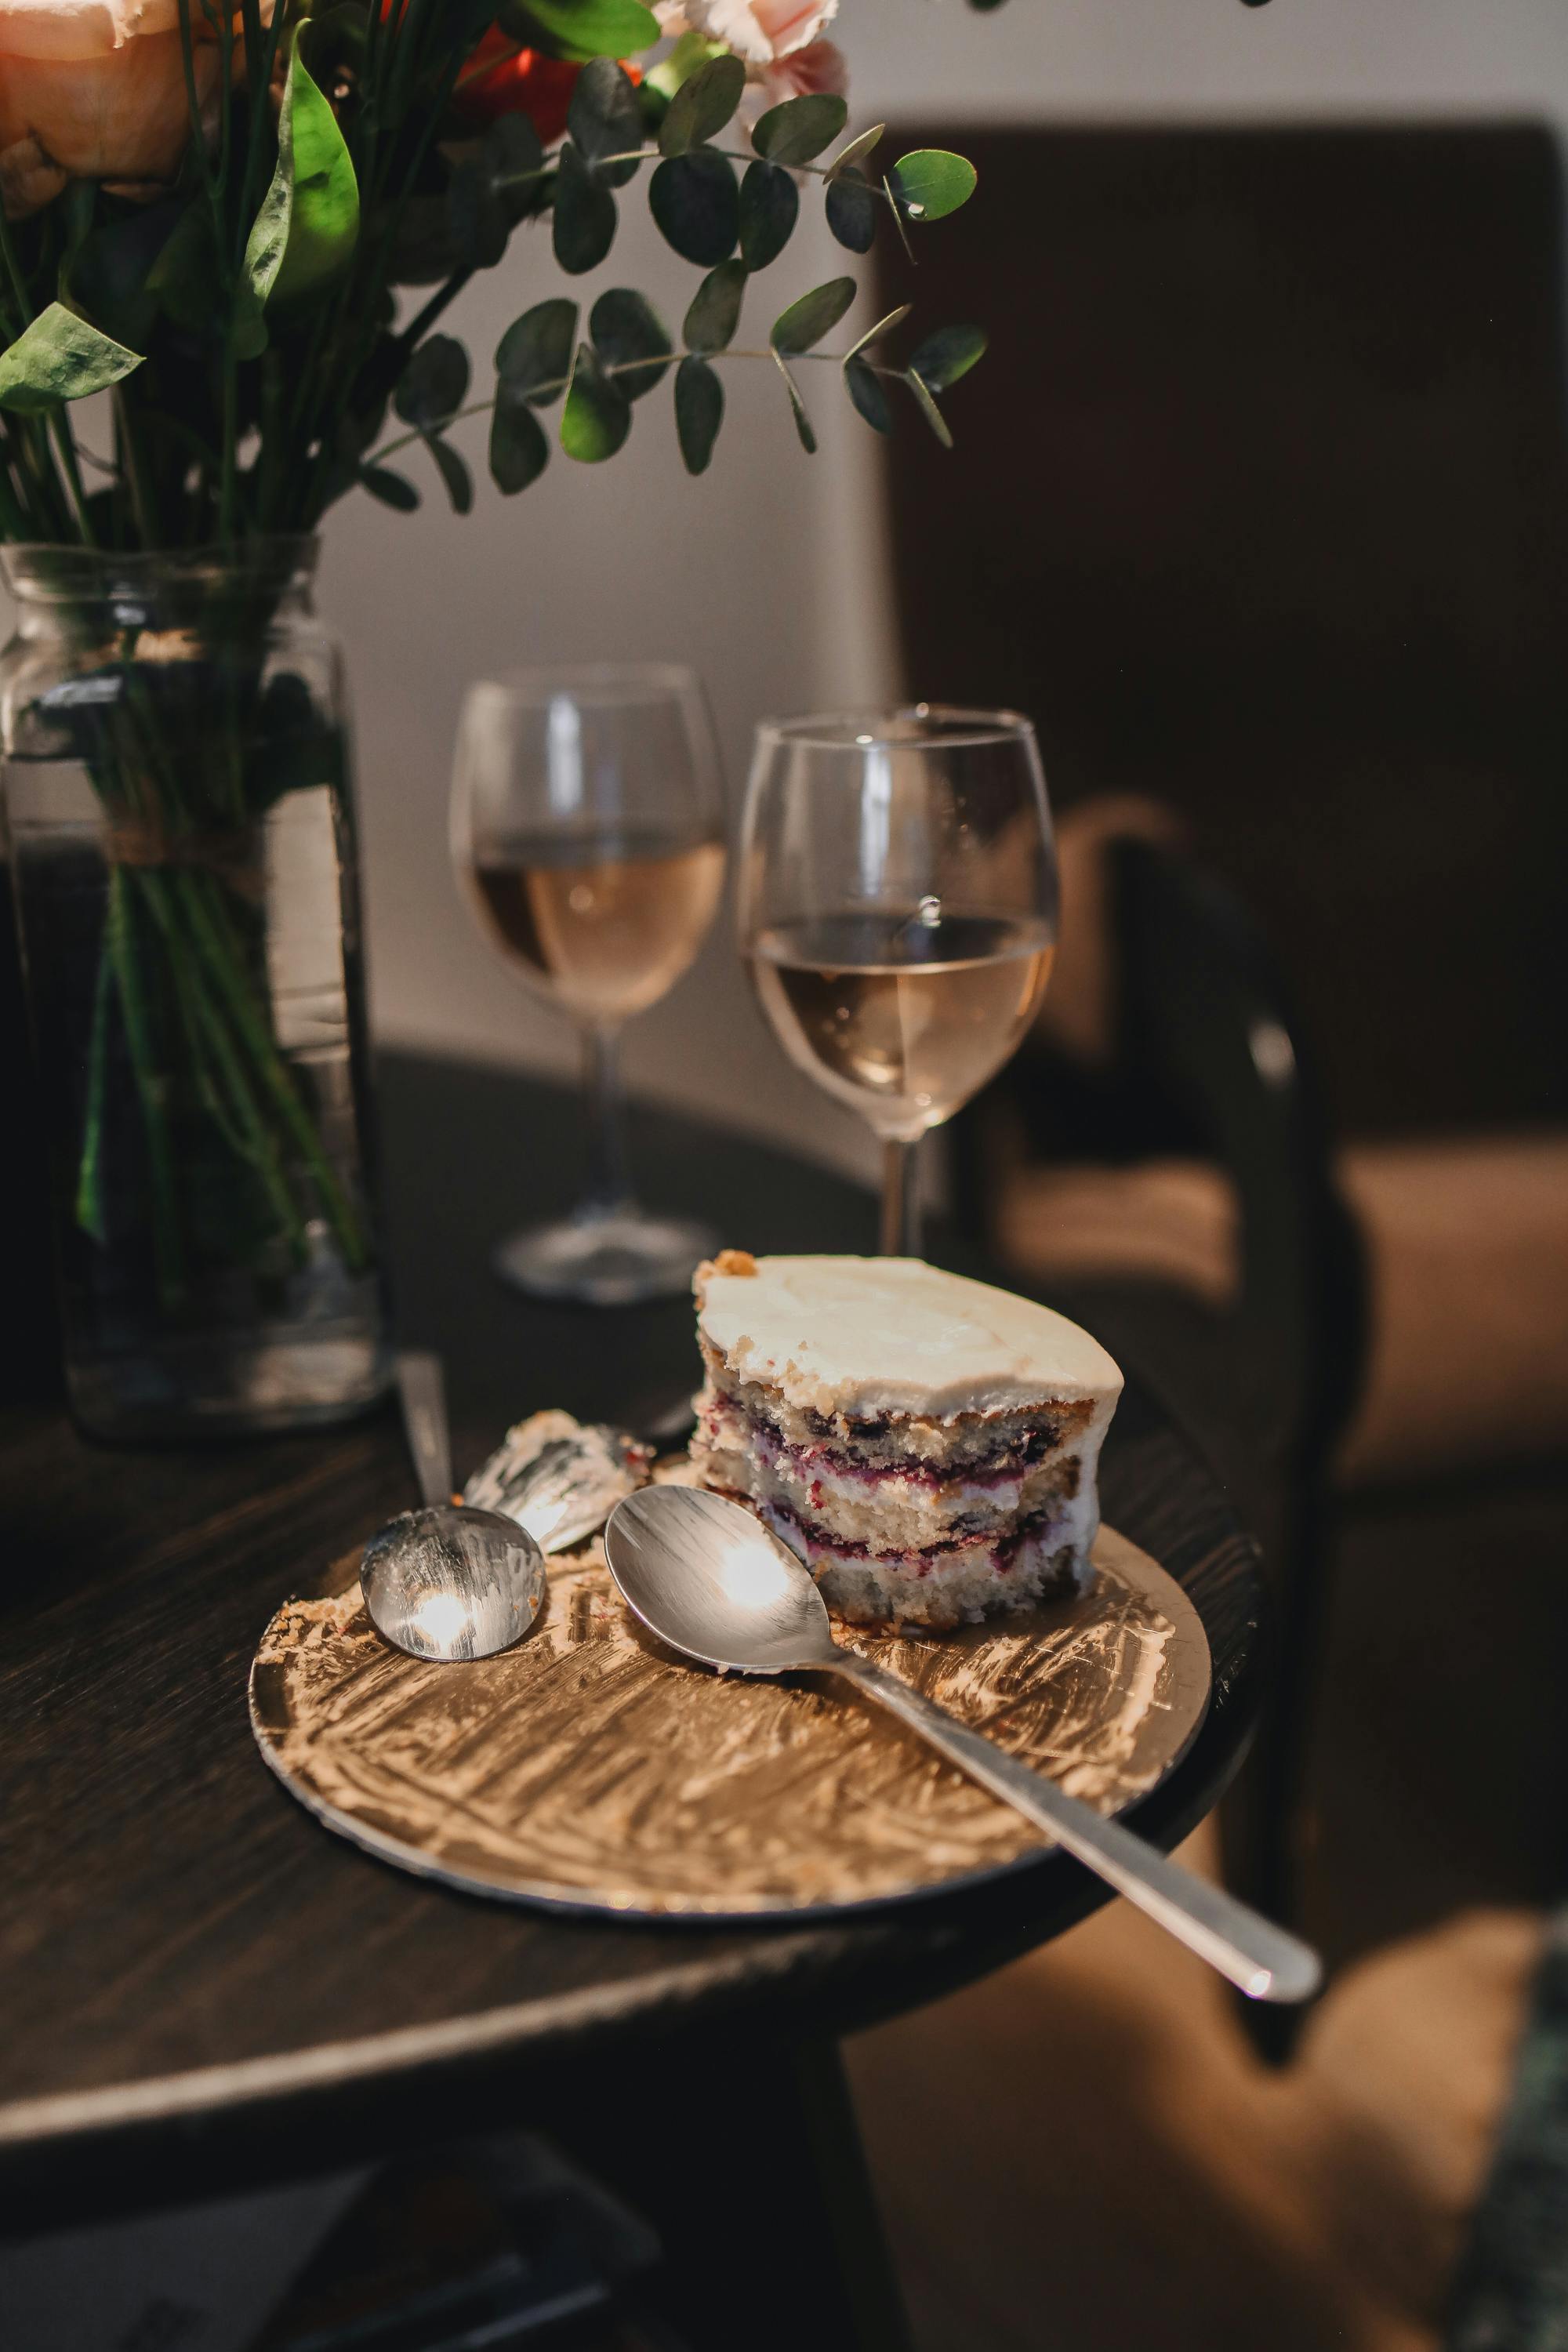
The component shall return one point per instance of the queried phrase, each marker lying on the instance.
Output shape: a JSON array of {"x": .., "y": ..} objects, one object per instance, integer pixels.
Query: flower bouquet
[{"x": 239, "y": 228}]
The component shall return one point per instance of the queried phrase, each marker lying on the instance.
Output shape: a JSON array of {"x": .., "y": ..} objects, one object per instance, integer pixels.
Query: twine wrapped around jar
[{"x": 234, "y": 856}]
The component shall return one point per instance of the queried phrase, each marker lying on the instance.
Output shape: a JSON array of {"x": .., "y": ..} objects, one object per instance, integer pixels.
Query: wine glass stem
[
  {"x": 900, "y": 1199},
  {"x": 609, "y": 1186}
]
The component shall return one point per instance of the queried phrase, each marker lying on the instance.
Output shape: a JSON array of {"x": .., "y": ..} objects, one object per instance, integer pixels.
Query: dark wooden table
[{"x": 203, "y": 1989}]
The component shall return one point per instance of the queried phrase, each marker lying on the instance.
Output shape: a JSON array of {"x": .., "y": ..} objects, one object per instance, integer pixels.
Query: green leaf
[
  {"x": 184, "y": 276},
  {"x": 477, "y": 222},
  {"x": 856, "y": 150},
  {"x": 515, "y": 163},
  {"x": 883, "y": 327},
  {"x": 929, "y": 411},
  {"x": 866, "y": 390},
  {"x": 800, "y": 128},
  {"x": 851, "y": 207},
  {"x": 770, "y": 206},
  {"x": 519, "y": 451},
  {"x": 697, "y": 204},
  {"x": 454, "y": 473},
  {"x": 626, "y": 331},
  {"x": 715, "y": 311},
  {"x": 186, "y": 283},
  {"x": 698, "y": 412},
  {"x": 929, "y": 184},
  {"x": 583, "y": 227},
  {"x": 109, "y": 279},
  {"x": 797, "y": 409},
  {"x": 536, "y": 351},
  {"x": 597, "y": 416},
  {"x": 702, "y": 105},
  {"x": 393, "y": 489},
  {"x": 433, "y": 384},
  {"x": 690, "y": 55},
  {"x": 596, "y": 28},
  {"x": 61, "y": 357},
  {"x": 305, "y": 233},
  {"x": 604, "y": 119},
  {"x": 946, "y": 355},
  {"x": 422, "y": 250},
  {"x": 815, "y": 315}
]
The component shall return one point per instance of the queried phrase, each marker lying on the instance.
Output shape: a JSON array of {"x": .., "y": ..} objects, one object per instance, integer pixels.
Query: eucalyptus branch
[
  {"x": 548, "y": 390},
  {"x": 737, "y": 155}
]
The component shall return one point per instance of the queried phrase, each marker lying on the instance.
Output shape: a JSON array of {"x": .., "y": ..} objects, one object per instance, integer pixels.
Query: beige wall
[{"x": 766, "y": 573}]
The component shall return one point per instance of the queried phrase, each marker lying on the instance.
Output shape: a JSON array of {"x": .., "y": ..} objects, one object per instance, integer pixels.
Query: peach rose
[
  {"x": 820, "y": 67},
  {"x": 760, "y": 31},
  {"x": 95, "y": 89}
]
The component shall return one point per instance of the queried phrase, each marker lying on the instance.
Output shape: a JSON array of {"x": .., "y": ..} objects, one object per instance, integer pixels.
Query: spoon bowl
[
  {"x": 709, "y": 1579},
  {"x": 448, "y": 1584}
]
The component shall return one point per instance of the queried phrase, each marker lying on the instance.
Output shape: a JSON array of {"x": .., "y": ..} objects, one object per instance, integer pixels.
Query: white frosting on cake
[{"x": 866, "y": 1334}]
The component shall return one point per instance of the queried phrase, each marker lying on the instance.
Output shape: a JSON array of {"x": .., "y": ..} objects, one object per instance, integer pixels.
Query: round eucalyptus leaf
[
  {"x": 519, "y": 451},
  {"x": 433, "y": 384},
  {"x": 514, "y": 161},
  {"x": 604, "y": 120},
  {"x": 698, "y": 412},
  {"x": 929, "y": 411},
  {"x": 856, "y": 150},
  {"x": 802, "y": 424},
  {"x": 865, "y": 389},
  {"x": 631, "y": 339},
  {"x": 597, "y": 416},
  {"x": 946, "y": 355},
  {"x": 697, "y": 204},
  {"x": 533, "y": 358},
  {"x": 422, "y": 249},
  {"x": 929, "y": 184},
  {"x": 705, "y": 101},
  {"x": 454, "y": 472},
  {"x": 800, "y": 128},
  {"x": 851, "y": 209},
  {"x": 393, "y": 489},
  {"x": 815, "y": 315},
  {"x": 477, "y": 220},
  {"x": 715, "y": 311},
  {"x": 770, "y": 206},
  {"x": 583, "y": 223}
]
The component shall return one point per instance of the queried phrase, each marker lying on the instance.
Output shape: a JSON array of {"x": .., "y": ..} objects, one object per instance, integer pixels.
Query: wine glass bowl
[
  {"x": 898, "y": 910},
  {"x": 587, "y": 831}
]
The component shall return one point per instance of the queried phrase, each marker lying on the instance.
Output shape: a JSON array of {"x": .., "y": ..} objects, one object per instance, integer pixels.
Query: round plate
[{"x": 591, "y": 1769}]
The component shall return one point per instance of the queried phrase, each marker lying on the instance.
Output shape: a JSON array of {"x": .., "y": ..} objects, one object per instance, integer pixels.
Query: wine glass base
[{"x": 608, "y": 1258}]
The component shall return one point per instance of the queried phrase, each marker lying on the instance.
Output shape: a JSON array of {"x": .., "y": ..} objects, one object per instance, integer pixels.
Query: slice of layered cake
[{"x": 927, "y": 1445}]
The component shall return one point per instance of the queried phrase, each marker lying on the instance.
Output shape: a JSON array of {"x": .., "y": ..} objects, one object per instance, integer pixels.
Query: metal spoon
[
  {"x": 446, "y": 1583},
  {"x": 710, "y": 1580}
]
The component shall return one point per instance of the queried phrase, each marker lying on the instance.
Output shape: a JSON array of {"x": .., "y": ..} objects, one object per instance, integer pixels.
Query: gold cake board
[{"x": 589, "y": 1769}]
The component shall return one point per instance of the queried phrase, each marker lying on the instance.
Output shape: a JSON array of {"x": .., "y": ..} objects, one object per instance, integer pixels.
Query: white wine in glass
[
  {"x": 898, "y": 913},
  {"x": 587, "y": 828}
]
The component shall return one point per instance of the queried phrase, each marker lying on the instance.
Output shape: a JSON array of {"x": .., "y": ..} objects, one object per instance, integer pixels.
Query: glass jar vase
[{"x": 173, "y": 755}]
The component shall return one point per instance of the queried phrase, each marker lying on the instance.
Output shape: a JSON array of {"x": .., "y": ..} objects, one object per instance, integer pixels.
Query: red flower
[{"x": 500, "y": 79}]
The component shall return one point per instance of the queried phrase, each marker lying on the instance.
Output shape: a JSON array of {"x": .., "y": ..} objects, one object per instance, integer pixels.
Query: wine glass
[
  {"x": 587, "y": 831},
  {"x": 898, "y": 910}
]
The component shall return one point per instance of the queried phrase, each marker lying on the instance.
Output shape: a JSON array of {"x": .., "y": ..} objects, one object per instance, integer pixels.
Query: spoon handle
[
  {"x": 1264, "y": 1962},
  {"x": 423, "y": 1391}
]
